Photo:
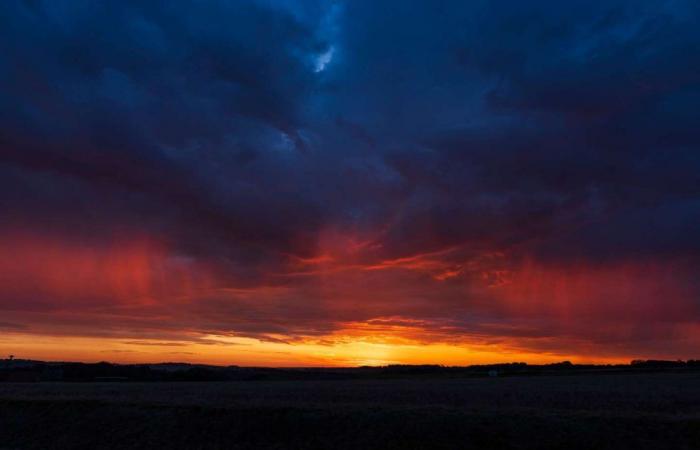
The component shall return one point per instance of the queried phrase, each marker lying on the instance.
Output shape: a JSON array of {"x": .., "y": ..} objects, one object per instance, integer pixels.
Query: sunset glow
[{"x": 337, "y": 184}]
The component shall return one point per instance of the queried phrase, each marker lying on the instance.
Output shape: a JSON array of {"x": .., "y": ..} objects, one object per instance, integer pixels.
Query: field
[{"x": 608, "y": 411}]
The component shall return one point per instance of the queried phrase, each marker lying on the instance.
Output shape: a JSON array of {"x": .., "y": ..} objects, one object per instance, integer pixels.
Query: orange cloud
[{"x": 138, "y": 299}]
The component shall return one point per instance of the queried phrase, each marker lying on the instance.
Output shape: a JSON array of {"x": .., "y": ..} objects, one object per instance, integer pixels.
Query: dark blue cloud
[
  {"x": 513, "y": 121},
  {"x": 196, "y": 111},
  {"x": 454, "y": 122}
]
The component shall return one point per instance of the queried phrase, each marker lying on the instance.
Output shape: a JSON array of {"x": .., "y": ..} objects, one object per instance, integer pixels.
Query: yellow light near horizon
[{"x": 225, "y": 350}]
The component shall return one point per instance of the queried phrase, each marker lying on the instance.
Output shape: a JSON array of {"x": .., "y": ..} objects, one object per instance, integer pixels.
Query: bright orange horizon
[{"x": 263, "y": 354}]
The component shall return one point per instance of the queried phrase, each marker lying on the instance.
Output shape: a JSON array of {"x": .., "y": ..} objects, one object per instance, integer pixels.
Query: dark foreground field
[{"x": 619, "y": 411}]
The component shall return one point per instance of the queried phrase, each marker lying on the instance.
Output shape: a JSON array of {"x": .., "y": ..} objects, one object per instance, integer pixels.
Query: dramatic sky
[{"x": 288, "y": 183}]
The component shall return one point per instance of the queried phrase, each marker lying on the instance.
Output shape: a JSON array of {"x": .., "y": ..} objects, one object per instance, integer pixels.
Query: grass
[{"x": 642, "y": 411}]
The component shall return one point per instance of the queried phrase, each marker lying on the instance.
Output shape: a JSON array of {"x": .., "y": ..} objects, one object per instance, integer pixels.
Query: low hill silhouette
[{"x": 19, "y": 370}]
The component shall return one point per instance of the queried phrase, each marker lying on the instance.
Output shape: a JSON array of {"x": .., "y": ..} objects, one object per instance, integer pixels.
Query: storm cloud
[{"x": 522, "y": 174}]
